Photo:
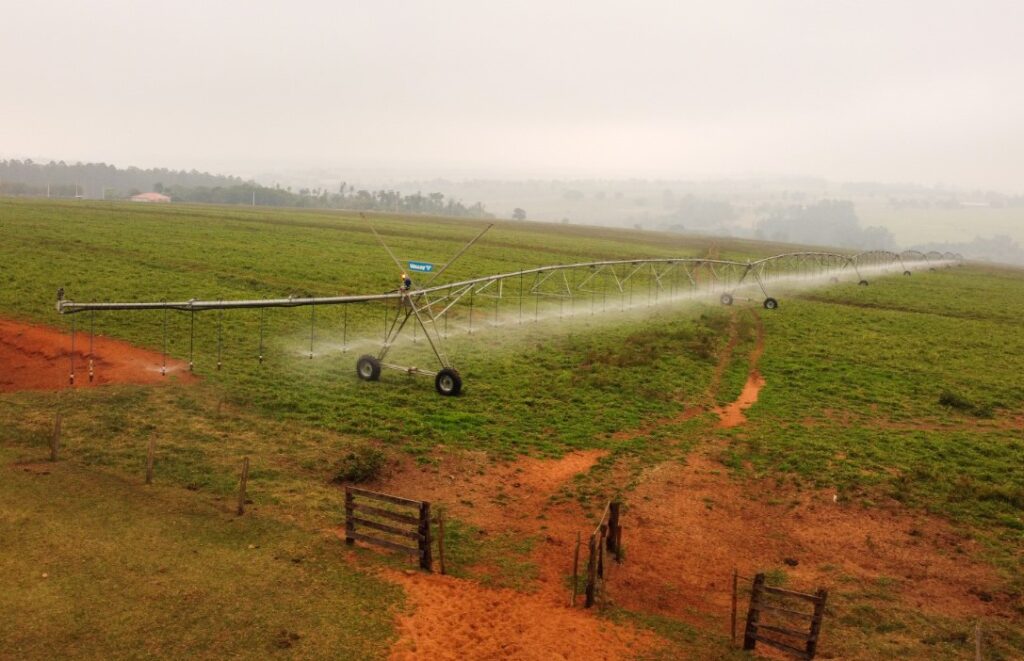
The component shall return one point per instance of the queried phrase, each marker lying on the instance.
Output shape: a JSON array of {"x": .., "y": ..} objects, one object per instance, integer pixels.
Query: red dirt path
[
  {"x": 39, "y": 358},
  {"x": 731, "y": 415}
]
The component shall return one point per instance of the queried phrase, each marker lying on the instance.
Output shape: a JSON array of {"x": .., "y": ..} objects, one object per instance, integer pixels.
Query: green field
[{"x": 906, "y": 392}]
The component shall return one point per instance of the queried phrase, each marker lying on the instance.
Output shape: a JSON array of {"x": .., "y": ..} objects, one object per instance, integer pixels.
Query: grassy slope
[
  {"x": 854, "y": 374},
  {"x": 96, "y": 567}
]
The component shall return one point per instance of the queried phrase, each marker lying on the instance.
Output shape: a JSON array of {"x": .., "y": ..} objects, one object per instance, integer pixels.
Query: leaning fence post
[
  {"x": 149, "y": 459},
  {"x": 591, "y": 570},
  {"x": 55, "y": 438},
  {"x": 350, "y": 526},
  {"x": 613, "y": 529},
  {"x": 575, "y": 571},
  {"x": 819, "y": 612},
  {"x": 750, "y": 632},
  {"x": 242, "y": 484},
  {"x": 440, "y": 539},
  {"x": 735, "y": 576},
  {"x": 426, "y": 562}
]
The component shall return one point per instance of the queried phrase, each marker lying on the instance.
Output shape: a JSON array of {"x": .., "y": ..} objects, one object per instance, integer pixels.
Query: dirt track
[{"x": 40, "y": 358}]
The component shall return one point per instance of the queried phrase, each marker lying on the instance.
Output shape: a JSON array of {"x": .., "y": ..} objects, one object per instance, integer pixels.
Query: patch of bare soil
[
  {"x": 688, "y": 526},
  {"x": 511, "y": 497},
  {"x": 731, "y": 415},
  {"x": 40, "y": 358},
  {"x": 452, "y": 618}
]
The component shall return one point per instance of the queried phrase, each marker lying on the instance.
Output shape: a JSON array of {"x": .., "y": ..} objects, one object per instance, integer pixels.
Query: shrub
[
  {"x": 955, "y": 401},
  {"x": 361, "y": 464},
  {"x": 960, "y": 403}
]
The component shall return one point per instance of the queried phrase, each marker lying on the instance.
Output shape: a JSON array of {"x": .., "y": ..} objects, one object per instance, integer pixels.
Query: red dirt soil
[
  {"x": 692, "y": 524},
  {"x": 507, "y": 497},
  {"x": 685, "y": 528},
  {"x": 455, "y": 618},
  {"x": 39, "y": 358}
]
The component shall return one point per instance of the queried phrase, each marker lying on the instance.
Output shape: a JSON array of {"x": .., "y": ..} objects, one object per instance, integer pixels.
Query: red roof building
[{"x": 150, "y": 197}]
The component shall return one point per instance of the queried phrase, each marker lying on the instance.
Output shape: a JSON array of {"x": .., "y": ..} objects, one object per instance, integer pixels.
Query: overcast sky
[{"x": 913, "y": 91}]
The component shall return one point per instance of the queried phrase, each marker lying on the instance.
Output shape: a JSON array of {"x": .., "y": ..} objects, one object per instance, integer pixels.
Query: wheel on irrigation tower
[
  {"x": 448, "y": 382},
  {"x": 906, "y": 273},
  {"x": 770, "y": 303},
  {"x": 863, "y": 283},
  {"x": 726, "y": 299},
  {"x": 368, "y": 368},
  {"x": 833, "y": 279}
]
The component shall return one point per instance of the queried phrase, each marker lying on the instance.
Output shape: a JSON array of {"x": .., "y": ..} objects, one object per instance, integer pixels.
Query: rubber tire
[
  {"x": 448, "y": 382},
  {"x": 770, "y": 303},
  {"x": 368, "y": 368},
  {"x": 906, "y": 273},
  {"x": 725, "y": 299},
  {"x": 863, "y": 283}
]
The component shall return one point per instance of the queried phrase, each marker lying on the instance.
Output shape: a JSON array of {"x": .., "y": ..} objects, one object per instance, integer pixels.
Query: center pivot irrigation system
[{"x": 615, "y": 282}]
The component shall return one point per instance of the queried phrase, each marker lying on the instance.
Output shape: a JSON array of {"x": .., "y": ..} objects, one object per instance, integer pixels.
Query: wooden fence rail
[
  {"x": 359, "y": 526},
  {"x": 801, "y": 643}
]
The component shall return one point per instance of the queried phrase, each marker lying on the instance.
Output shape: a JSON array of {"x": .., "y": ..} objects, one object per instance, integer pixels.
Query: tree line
[
  {"x": 96, "y": 180},
  {"x": 57, "y": 179}
]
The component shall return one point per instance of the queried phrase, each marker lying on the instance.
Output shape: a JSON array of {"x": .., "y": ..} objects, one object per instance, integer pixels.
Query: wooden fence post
[
  {"x": 149, "y": 459},
  {"x": 750, "y": 632},
  {"x": 735, "y": 577},
  {"x": 613, "y": 530},
  {"x": 55, "y": 439},
  {"x": 575, "y": 571},
  {"x": 603, "y": 531},
  {"x": 426, "y": 561},
  {"x": 350, "y": 526},
  {"x": 819, "y": 612},
  {"x": 242, "y": 484},
  {"x": 591, "y": 570},
  {"x": 440, "y": 539}
]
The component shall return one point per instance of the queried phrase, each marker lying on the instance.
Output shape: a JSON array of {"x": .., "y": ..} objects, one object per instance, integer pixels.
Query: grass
[
  {"x": 906, "y": 392},
  {"x": 95, "y": 567},
  {"x": 497, "y": 559}
]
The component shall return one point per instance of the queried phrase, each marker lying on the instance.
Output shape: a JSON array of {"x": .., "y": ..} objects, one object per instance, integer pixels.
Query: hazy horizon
[{"x": 922, "y": 93}]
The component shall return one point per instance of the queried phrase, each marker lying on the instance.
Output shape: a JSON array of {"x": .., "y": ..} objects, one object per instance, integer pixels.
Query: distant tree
[
  {"x": 158, "y": 187},
  {"x": 519, "y": 214}
]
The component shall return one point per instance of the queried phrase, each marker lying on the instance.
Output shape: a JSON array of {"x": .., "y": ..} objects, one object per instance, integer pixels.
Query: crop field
[{"x": 869, "y": 440}]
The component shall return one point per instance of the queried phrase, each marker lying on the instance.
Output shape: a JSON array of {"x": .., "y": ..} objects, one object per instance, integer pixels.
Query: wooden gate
[
  {"x": 365, "y": 522},
  {"x": 782, "y": 633}
]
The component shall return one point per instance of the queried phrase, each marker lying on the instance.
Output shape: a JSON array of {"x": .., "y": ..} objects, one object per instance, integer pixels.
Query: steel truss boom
[
  {"x": 428, "y": 307},
  {"x": 193, "y": 305}
]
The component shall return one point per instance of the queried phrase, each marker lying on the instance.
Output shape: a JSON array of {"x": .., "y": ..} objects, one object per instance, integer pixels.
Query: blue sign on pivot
[{"x": 422, "y": 267}]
